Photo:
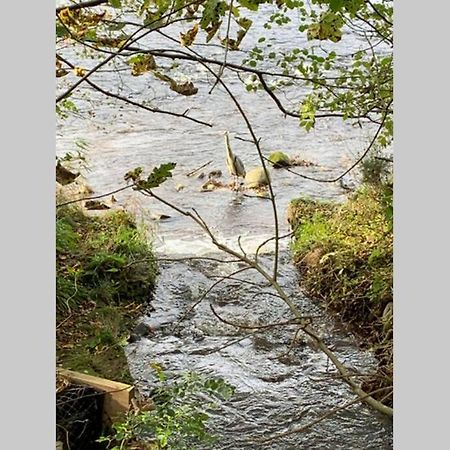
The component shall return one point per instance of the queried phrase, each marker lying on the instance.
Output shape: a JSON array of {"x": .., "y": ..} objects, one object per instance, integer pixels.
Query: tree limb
[{"x": 87, "y": 4}]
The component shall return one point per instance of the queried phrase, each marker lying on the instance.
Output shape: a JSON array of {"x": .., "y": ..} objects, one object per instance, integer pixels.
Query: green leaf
[
  {"x": 61, "y": 30},
  {"x": 158, "y": 176},
  {"x": 115, "y": 3},
  {"x": 116, "y": 26},
  {"x": 252, "y": 5},
  {"x": 353, "y": 6},
  {"x": 336, "y": 5},
  {"x": 212, "y": 12},
  {"x": 329, "y": 27}
]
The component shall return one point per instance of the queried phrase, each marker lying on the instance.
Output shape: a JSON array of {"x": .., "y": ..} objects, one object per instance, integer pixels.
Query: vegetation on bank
[
  {"x": 105, "y": 273},
  {"x": 344, "y": 253},
  {"x": 178, "y": 418}
]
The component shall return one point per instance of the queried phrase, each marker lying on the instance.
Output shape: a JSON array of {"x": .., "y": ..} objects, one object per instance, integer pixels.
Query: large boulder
[
  {"x": 279, "y": 159},
  {"x": 256, "y": 178}
]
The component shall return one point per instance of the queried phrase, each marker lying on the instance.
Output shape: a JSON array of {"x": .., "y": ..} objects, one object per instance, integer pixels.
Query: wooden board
[{"x": 117, "y": 398}]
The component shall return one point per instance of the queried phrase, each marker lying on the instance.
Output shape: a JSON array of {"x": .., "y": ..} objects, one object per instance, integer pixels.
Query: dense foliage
[
  {"x": 356, "y": 86},
  {"x": 177, "y": 420}
]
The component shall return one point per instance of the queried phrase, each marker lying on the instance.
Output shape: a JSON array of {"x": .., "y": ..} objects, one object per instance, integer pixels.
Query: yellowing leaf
[
  {"x": 61, "y": 73},
  {"x": 141, "y": 64},
  {"x": 188, "y": 38},
  {"x": 212, "y": 30},
  {"x": 184, "y": 88},
  {"x": 79, "y": 71}
]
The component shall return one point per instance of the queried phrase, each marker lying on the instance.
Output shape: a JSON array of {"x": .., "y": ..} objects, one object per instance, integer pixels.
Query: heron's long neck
[{"x": 227, "y": 145}]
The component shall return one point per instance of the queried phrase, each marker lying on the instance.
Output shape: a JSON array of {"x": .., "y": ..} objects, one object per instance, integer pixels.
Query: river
[{"x": 274, "y": 390}]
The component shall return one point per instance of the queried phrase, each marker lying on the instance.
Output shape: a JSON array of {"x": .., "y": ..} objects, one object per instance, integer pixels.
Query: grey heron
[{"x": 234, "y": 163}]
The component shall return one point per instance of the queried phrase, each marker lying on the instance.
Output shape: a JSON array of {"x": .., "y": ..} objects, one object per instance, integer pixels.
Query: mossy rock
[{"x": 279, "y": 159}]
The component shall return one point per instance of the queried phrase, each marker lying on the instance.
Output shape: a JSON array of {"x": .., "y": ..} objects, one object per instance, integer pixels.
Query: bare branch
[
  {"x": 95, "y": 197},
  {"x": 332, "y": 180},
  {"x": 321, "y": 418},
  {"x": 203, "y": 296},
  {"x": 227, "y": 38},
  {"x": 81, "y": 5},
  {"x": 253, "y": 327},
  {"x": 199, "y": 258},
  {"x": 137, "y": 104},
  {"x": 129, "y": 40},
  {"x": 295, "y": 311},
  {"x": 189, "y": 174},
  {"x": 379, "y": 13},
  {"x": 371, "y": 25}
]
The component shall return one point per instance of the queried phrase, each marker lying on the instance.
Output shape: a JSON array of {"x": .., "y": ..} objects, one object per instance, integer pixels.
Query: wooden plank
[{"x": 117, "y": 398}]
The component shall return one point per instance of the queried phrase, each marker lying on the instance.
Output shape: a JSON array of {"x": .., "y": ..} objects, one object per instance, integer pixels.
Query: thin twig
[
  {"x": 291, "y": 345},
  {"x": 132, "y": 102},
  {"x": 195, "y": 258},
  {"x": 364, "y": 154},
  {"x": 203, "y": 296},
  {"x": 189, "y": 174},
  {"x": 95, "y": 197},
  {"x": 129, "y": 40},
  {"x": 87, "y": 4},
  {"x": 253, "y": 327},
  {"x": 320, "y": 418},
  {"x": 227, "y": 38},
  {"x": 294, "y": 309},
  {"x": 379, "y": 13}
]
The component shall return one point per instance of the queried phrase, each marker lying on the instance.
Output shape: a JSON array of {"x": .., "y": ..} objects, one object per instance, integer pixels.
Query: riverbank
[
  {"x": 344, "y": 255},
  {"x": 105, "y": 274}
]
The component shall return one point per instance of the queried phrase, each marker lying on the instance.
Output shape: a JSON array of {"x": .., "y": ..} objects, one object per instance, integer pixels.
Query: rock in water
[
  {"x": 65, "y": 176},
  {"x": 95, "y": 205},
  {"x": 256, "y": 178},
  {"x": 215, "y": 174},
  {"x": 279, "y": 159}
]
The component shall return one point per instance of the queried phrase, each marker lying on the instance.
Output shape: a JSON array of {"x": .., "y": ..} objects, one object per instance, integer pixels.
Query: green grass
[
  {"x": 105, "y": 271},
  {"x": 344, "y": 253},
  {"x": 102, "y": 258},
  {"x": 353, "y": 247}
]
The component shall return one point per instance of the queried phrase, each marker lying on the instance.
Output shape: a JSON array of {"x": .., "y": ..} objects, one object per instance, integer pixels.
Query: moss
[
  {"x": 105, "y": 272},
  {"x": 91, "y": 340},
  {"x": 105, "y": 258},
  {"x": 279, "y": 159},
  {"x": 344, "y": 254}
]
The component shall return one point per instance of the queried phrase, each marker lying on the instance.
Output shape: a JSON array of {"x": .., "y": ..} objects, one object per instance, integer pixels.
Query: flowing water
[{"x": 278, "y": 385}]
